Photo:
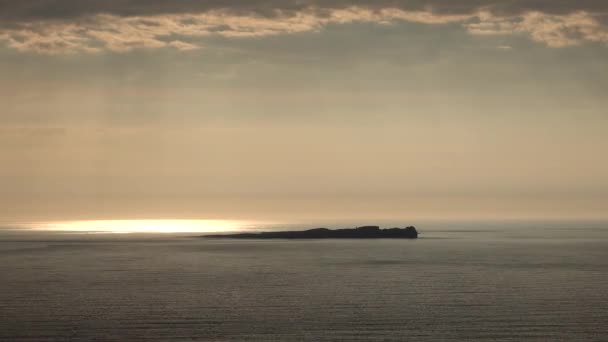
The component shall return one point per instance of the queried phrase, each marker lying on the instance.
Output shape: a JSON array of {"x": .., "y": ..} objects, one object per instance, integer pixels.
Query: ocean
[{"x": 501, "y": 281}]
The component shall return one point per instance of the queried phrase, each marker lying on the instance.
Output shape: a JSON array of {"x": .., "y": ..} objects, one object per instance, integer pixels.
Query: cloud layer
[{"x": 88, "y": 26}]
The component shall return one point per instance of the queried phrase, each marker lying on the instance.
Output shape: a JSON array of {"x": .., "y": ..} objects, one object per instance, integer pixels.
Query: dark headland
[{"x": 366, "y": 232}]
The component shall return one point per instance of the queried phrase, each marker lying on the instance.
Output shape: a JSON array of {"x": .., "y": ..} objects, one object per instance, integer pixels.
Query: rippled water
[{"x": 459, "y": 283}]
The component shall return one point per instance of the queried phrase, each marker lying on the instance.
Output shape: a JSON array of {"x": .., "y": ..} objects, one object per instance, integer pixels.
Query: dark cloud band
[
  {"x": 34, "y": 10},
  {"x": 69, "y": 26}
]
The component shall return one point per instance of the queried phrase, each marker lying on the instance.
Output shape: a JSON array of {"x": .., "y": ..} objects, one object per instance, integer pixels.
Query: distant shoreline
[{"x": 365, "y": 232}]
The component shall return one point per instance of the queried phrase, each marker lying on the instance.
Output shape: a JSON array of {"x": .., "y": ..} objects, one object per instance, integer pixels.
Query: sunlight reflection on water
[{"x": 143, "y": 226}]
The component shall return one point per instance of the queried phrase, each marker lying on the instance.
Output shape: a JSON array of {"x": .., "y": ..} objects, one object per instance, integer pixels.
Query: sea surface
[{"x": 501, "y": 281}]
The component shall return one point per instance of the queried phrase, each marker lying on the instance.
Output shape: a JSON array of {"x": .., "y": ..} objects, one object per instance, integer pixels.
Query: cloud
[
  {"x": 553, "y": 30},
  {"x": 18, "y": 11},
  {"x": 88, "y": 26},
  {"x": 121, "y": 34},
  {"x": 183, "y": 46}
]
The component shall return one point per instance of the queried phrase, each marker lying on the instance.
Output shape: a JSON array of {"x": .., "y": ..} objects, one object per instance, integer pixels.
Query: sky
[{"x": 301, "y": 109}]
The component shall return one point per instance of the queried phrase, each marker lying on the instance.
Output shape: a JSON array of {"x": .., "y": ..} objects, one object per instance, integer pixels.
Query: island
[{"x": 365, "y": 232}]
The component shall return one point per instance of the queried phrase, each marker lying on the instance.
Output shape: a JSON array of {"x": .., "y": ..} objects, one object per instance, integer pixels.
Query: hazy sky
[{"x": 279, "y": 109}]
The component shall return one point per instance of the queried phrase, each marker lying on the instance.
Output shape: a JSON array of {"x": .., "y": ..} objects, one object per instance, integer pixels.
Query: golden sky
[{"x": 303, "y": 109}]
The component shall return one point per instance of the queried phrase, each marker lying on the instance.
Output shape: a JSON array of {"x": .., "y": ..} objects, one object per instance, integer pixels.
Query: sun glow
[{"x": 143, "y": 226}]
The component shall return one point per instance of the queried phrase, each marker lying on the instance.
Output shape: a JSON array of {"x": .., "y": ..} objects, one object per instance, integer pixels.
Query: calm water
[{"x": 457, "y": 282}]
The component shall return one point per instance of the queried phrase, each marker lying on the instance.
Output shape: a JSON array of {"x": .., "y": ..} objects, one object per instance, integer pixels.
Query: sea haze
[{"x": 501, "y": 281}]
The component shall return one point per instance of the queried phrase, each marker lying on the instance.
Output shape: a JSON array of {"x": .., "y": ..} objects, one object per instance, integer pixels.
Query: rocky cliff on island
[{"x": 365, "y": 232}]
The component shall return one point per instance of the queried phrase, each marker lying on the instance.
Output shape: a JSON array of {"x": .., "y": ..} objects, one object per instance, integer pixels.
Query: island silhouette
[{"x": 365, "y": 232}]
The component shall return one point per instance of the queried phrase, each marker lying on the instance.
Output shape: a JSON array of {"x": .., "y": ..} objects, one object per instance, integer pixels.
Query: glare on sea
[{"x": 142, "y": 226}]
